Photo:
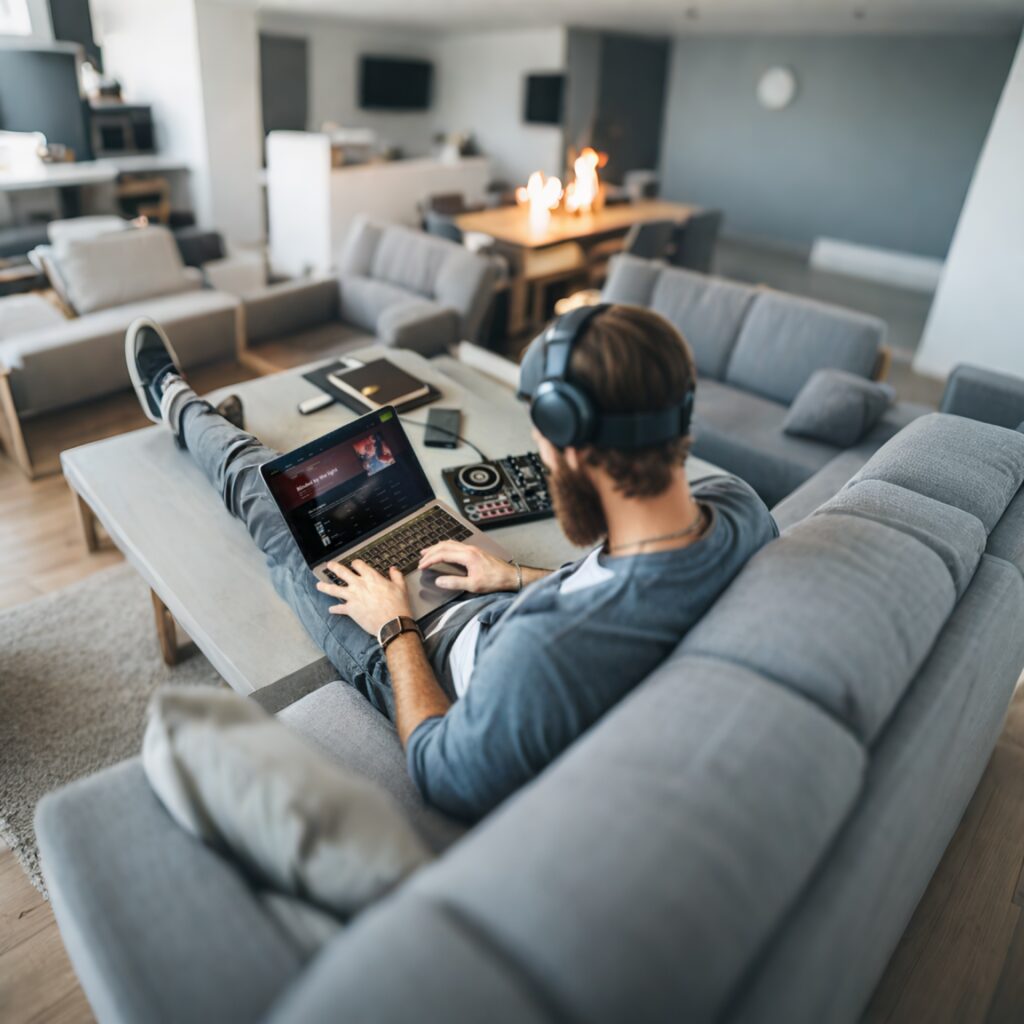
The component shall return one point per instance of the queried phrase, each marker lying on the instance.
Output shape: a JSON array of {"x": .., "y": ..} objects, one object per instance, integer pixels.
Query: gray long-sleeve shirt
[{"x": 552, "y": 660}]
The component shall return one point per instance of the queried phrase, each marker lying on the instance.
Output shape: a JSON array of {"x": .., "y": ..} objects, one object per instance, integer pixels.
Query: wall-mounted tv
[
  {"x": 394, "y": 83},
  {"x": 544, "y": 99}
]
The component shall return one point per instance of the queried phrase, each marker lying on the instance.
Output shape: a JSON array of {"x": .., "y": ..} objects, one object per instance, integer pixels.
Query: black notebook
[{"x": 376, "y": 383}]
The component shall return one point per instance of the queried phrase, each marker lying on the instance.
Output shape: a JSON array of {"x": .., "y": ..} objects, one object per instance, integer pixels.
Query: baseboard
[{"x": 899, "y": 269}]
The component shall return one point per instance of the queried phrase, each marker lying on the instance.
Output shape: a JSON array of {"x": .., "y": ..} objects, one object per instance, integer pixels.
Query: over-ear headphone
[{"x": 567, "y": 415}]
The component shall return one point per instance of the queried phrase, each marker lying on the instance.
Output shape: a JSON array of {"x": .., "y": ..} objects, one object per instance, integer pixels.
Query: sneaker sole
[{"x": 141, "y": 391}]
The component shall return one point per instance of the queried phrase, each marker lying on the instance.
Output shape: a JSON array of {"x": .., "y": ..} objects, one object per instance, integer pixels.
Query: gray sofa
[
  {"x": 400, "y": 287},
  {"x": 755, "y": 348},
  {"x": 743, "y": 838},
  {"x": 110, "y": 279}
]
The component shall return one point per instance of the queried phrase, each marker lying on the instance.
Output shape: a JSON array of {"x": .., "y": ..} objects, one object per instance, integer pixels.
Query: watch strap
[{"x": 394, "y": 628}]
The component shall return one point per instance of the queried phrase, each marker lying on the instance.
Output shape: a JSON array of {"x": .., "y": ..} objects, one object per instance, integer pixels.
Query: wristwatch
[{"x": 394, "y": 628}]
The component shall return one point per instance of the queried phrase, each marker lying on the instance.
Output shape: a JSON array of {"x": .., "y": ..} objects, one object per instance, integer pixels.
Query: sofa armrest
[
  {"x": 984, "y": 395},
  {"x": 289, "y": 308},
  {"x": 420, "y": 325},
  {"x": 157, "y": 925}
]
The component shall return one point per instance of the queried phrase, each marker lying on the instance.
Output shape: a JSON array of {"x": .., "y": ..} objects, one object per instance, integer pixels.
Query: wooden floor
[{"x": 961, "y": 959}]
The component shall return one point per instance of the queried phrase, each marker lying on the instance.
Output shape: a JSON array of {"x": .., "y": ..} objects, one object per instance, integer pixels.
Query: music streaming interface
[{"x": 340, "y": 496}]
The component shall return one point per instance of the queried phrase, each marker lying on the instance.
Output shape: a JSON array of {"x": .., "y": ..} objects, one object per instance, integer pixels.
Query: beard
[{"x": 577, "y": 505}]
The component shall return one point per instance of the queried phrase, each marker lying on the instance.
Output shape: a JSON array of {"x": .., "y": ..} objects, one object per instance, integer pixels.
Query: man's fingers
[
  {"x": 331, "y": 589},
  {"x": 343, "y": 572},
  {"x": 396, "y": 575},
  {"x": 446, "y": 551},
  {"x": 338, "y": 609}
]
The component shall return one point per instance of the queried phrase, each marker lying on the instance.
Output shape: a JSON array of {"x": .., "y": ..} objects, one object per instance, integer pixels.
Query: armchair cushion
[
  {"x": 235, "y": 777},
  {"x": 120, "y": 267},
  {"x": 836, "y": 407}
]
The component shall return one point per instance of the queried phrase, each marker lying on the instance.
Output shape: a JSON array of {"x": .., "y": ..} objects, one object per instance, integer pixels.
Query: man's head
[{"x": 627, "y": 360}]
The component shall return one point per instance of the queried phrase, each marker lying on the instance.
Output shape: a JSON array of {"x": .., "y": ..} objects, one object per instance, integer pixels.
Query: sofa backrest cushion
[
  {"x": 687, "y": 821},
  {"x": 119, "y": 267},
  {"x": 631, "y": 280},
  {"x": 784, "y": 339},
  {"x": 973, "y": 466},
  {"x": 1007, "y": 540},
  {"x": 707, "y": 311},
  {"x": 841, "y": 609},
  {"x": 957, "y": 537}
]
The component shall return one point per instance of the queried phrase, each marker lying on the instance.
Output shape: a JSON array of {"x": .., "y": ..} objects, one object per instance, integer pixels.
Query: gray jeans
[{"x": 231, "y": 460}]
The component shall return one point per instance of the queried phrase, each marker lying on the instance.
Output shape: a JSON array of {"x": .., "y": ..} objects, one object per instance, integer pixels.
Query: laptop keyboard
[{"x": 402, "y": 546}]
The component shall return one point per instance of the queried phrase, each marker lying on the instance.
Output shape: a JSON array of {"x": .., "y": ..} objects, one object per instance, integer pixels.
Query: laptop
[{"x": 360, "y": 492}]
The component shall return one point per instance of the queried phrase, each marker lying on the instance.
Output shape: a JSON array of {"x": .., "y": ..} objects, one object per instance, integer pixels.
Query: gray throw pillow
[
  {"x": 837, "y": 407},
  {"x": 235, "y": 777}
]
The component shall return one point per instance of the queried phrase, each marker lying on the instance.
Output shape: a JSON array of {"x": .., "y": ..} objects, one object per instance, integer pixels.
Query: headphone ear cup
[{"x": 563, "y": 414}]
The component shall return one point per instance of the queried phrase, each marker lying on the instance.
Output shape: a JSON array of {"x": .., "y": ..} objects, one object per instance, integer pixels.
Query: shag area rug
[{"x": 77, "y": 668}]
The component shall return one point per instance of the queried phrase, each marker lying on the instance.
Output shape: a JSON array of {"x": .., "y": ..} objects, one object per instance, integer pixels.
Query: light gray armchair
[{"x": 399, "y": 287}]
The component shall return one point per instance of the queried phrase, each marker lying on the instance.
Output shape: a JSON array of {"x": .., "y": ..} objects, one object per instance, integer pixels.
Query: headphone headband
[{"x": 567, "y": 415}]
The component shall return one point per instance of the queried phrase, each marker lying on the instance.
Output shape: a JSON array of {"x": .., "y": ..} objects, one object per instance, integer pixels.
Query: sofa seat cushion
[
  {"x": 957, "y": 537},
  {"x": 82, "y": 359},
  {"x": 841, "y": 609},
  {"x": 784, "y": 339},
  {"x": 973, "y": 466},
  {"x": 742, "y": 433},
  {"x": 115, "y": 268},
  {"x": 22, "y": 314},
  {"x": 707, "y": 311},
  {"x": 342, "y": 724}
]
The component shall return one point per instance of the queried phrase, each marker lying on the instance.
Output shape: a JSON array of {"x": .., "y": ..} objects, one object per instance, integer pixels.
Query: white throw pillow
[
  {"x": 119, "y": 267},
  {"x": 234, "y": 776}
]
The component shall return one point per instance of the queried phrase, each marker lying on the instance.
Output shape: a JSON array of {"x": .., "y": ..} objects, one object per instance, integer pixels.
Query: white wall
[
  {"x": 480, "y": 89},
  {"x": 478, "y": 86},
  {"x": 152, "y": 47},
  {"x": 334, "y": 48},
  {"x": 229, "y": 69},
  {"x": 978, "y": 312}
]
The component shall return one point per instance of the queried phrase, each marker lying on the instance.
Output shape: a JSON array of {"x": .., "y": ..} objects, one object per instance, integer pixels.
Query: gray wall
[{"x": 878, "y": 147}]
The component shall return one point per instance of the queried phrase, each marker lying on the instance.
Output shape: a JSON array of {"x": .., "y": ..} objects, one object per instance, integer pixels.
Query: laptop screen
[{"x": 348, "y": 484}]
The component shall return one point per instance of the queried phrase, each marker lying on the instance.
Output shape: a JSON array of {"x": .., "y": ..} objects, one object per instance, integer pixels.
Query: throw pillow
[
  {"x": 120, "y": 267},
  {"x": 837, "y": 407},
  {"x": 235, "y": 777}
]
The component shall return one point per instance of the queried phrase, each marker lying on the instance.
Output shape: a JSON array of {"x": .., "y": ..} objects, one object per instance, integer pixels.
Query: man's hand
[
  {"x": 485, "y": 574},
  {"x": 367, "y": 598}
]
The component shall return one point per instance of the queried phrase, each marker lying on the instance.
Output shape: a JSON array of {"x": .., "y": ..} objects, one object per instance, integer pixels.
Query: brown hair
[{"x": 630, "y": 359}]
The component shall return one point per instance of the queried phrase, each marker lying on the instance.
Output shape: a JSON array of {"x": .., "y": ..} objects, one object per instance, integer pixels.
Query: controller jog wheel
[{"x": 479, "y": 479}]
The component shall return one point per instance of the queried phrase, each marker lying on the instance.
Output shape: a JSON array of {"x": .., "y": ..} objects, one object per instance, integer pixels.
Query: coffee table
[{"x": 199, "y": 562}]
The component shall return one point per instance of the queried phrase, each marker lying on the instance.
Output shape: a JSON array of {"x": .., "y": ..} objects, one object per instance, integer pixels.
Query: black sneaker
[{"x": 151, "y": 363}]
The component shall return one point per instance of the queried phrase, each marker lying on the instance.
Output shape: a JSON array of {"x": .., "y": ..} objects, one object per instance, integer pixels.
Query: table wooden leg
[
  {"x": 87, "y": 521},
  {"x": 166, "y": 631}
]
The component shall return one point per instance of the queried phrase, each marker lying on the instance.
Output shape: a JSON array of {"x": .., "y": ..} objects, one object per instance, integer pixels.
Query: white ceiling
[{"x": 655, "y": 16}]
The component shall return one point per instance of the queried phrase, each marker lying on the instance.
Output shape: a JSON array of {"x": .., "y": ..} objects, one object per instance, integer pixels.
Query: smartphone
[{"x": 443, "y": 426}]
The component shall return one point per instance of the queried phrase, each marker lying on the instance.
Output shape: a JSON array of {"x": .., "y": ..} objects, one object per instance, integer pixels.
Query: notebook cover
[{"x": 318, "y": 378}]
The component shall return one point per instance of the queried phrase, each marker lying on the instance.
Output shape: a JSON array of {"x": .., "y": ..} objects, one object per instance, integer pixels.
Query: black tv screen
[
  {"x": 394, "y": 83},
  {"x": 544, "y": 99},
  {"x": 39, "y": 93}
]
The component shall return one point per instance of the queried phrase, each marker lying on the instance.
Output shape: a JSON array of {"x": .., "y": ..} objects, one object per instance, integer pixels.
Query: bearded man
[{"x": 491, "y": 688}]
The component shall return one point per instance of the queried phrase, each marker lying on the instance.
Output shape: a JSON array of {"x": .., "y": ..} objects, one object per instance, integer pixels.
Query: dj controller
[{"x": 511, "y": 490}]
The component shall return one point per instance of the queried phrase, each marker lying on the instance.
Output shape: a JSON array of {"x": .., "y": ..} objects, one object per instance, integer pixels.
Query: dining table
[{"x": 560, "y": 247}]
